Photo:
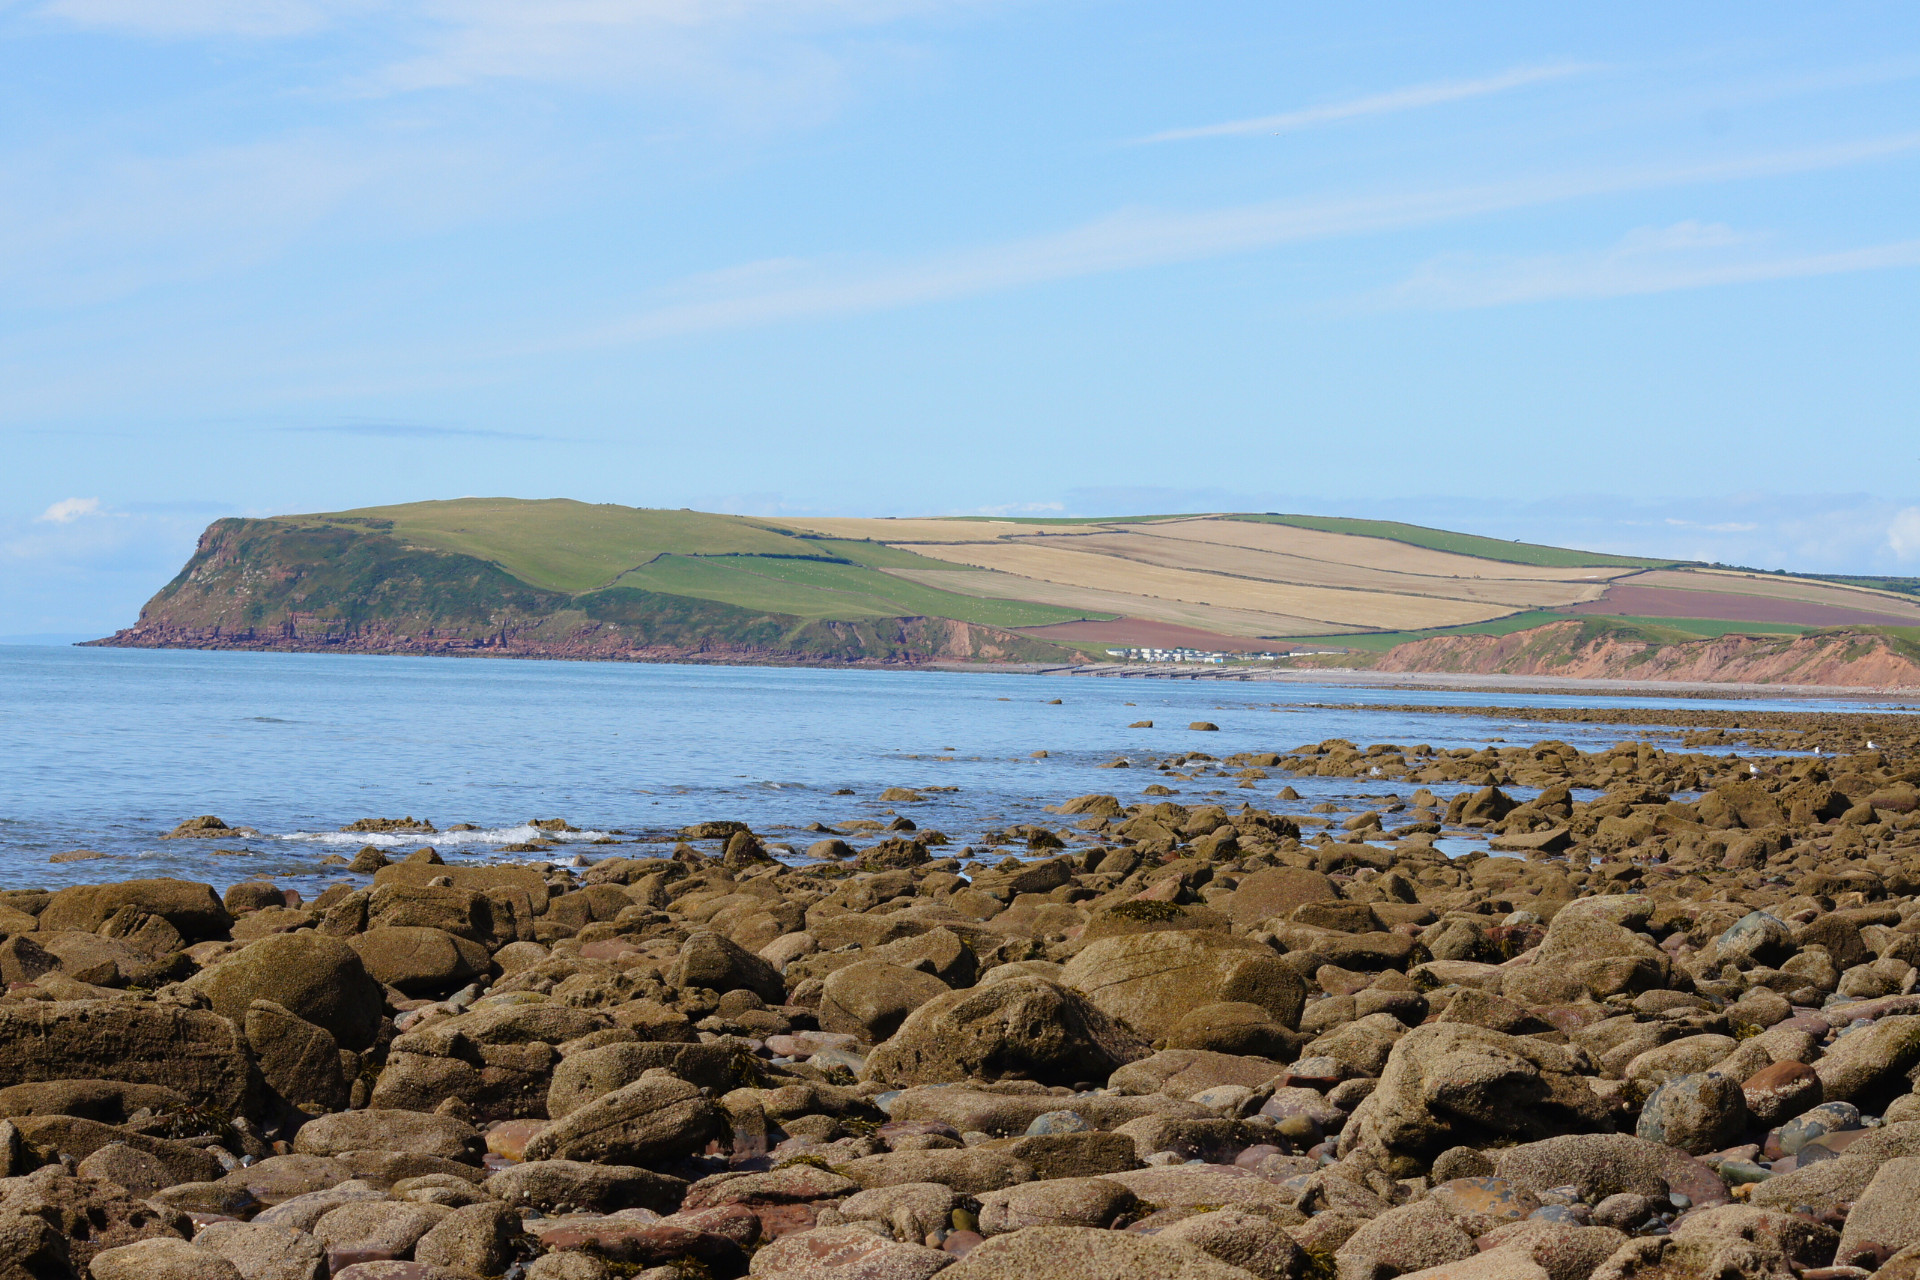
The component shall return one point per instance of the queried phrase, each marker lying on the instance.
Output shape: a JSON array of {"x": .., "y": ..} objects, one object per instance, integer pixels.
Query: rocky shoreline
[{"x": 1675, "y": 1033}]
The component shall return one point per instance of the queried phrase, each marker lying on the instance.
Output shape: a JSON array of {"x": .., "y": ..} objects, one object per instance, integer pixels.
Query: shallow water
[{"x": 108, "y": 749}]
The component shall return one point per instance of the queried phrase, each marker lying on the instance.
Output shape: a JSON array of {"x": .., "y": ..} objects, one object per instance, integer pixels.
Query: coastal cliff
[
  {"x": 269, "y": 585},
  {"x": 1593, "y": 650}
]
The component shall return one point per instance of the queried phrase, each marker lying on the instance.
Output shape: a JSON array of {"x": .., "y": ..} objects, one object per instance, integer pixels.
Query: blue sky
[{"x": 1637, "y": 277}]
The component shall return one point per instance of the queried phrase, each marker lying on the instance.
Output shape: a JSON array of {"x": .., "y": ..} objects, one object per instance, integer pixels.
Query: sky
[{"x": 1634, "y": 277}]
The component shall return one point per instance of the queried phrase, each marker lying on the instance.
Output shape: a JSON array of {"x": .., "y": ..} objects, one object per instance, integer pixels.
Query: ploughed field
[{"x": 1673, "y": 1032}]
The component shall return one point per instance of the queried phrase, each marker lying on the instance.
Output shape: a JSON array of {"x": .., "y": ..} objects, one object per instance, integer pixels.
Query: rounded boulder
[{"x": 314, "y": 977}]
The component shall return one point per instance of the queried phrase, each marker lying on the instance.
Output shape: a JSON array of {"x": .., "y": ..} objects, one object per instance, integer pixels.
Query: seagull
[
  {"x": 1754, "y": 770},
  {"x": 1870, "y": 745}
]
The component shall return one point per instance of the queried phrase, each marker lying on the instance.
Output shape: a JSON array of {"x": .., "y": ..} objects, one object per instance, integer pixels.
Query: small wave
[
  {"x": 389, "y": 839},
  {"x": 268, "y": 720}
]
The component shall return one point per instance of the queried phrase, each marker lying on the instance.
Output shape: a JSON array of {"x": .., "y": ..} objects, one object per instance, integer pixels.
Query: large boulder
[
  {"x": 587, "y": 1074},
  {"x": 194, "y": 909},
  {"x": 1870, "y": 1065},
  {"x": 708, "y": 960},
  {"x": 1023, "y": 1028},
  {"x": 603, "y": 1188},
  {"x": 1087, "y": 1253},
  {"x": 161, "y": 1258},
  {"x": 93, "y": 1215},
  {"x": 261, "y": 1252},
  {"x": 190, "y": 1051},
  {"x": 871, "y": 998},
  {"x": 420, "y": 960},
  {"x": 651, "y": 1120},
  {"x": 409, "y": 1131},
  {"x": 1150, "y": 981},
  {"x": 1277, "y": 893},
  {"x": 1455, "y": 1084},
  {"x": 298, "y": 1060},
  {"x": 312, "y": 976}
]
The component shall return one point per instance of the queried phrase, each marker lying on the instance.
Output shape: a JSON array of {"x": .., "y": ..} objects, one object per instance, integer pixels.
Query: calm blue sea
[{"x": 107, "y": 749}]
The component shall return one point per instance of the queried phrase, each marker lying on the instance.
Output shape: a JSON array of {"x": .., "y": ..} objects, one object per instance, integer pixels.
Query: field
[
  {"x": 1465, "y": 544},
  {"x": 1227, "y": 581}
]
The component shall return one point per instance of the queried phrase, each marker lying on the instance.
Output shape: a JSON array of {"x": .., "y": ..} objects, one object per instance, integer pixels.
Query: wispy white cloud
[
  {"x": 67, "y": 510},
  {"x": 1410, "y": 98},
  {"x": 1143, "y": 238},
  {"x": 1688, "y": 255},
  {"x": 1903, "y": 534}
]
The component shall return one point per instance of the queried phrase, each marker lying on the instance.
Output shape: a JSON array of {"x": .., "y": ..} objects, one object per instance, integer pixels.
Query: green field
[
  {"x": 821, "y": 589},
  {"x": 1464, "y": 544},
  {"x": 1673, "y": 629},
  {"x": 560, "y": 545}
]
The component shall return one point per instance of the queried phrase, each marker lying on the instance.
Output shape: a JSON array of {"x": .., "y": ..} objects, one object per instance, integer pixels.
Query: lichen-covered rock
[
  {"x": 653, "y": 1119},
  {"x": 1449, "y": 1084},
  {"x": 312, "y": 976},
  {"x": 1023, "y": 1028},
  {"x": 1150, "y": 981}
]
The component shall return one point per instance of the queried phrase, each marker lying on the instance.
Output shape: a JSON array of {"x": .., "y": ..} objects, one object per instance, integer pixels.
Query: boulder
[
  {"x": 376, "y": 1229},
  {"x": 94, "y": 1216},
  {"x": 846, "y": 1253},
  {"x": 312, "y": 976},
  {"x": 593, "y": 1073},
  {"x": 871, "y": 998},
  {"x": 1411, "y": 1238},
  {"x": 1453, "y": 1084},
  {"x": 1253, "y": 1242},
  {"x": 1696, "y": 1113},
  {"x": 1870, "y": 1065},
  {"x": 601, "y": 1188},
  {"x": 419, "y": 960},
  {"x": 191, "y": 908},
  {"x": 1150, "y": 981},
  {"x": 1276, "y": 893},
  {"x": 653, "y": 1119},
  {"x": 708, "y": 960},
  {"x": 1886, "y": 1217},
  {"x": 161, "y": 1258},
  {"x": 477, "y": 1240},
  {"x": 298, "y": 1060},
  {"x": 405, "y": 1131},
  {"x": 1061, "y": 1202},
  {"x": 197, "y": 1054},
  {"x": 1022, "y": 1028},
  {"x": 260, "y": 1252},
  {"x": 1087, "y": 1253}
]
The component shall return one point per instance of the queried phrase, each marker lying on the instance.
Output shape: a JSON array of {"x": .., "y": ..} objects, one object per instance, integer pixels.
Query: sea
[{"x": 106, "y": 750}]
